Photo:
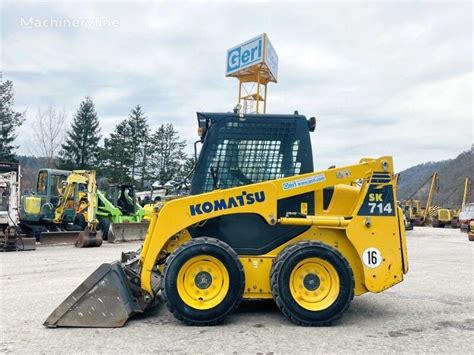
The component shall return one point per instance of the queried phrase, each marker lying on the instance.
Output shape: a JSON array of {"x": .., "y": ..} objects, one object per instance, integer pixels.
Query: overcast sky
[{"x": 381, "y": 78}]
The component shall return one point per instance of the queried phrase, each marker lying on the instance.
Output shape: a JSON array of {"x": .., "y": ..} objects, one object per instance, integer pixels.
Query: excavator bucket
[
  {"x": 88, "y": 239},
  {"x": 106, "y": 299},
  {"x": 125, "y": 232}
]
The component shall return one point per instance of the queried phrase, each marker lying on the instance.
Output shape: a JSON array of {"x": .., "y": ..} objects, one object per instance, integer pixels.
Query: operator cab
[
  {"x": 241, "y": 149},
  {"x": 245, "y": 149},
  {"x": 50, "y": 184},
  {"x": 41, "y": 205},
  {"x": 122, "y": 196}
]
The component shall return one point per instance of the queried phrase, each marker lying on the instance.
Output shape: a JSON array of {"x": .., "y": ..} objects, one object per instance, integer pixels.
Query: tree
[
  {"x": 48, "y": 131},
  {"x": 116, "y": 156},
  {"x": 187, "y": 168},
  {"x": 124, "y": 157},
  {"x": 9, "y": 121},
  {"x": 81, "y": 149},
  {"x": 167, "y": 154},
  {"x": 139, "y": 135}
]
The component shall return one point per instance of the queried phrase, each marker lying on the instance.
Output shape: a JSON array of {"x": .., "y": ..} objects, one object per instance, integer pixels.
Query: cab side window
[{"x": 42, "y": 183}]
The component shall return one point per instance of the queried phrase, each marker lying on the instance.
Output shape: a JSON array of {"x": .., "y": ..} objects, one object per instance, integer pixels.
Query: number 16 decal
[{"x": 372, "y": 257}]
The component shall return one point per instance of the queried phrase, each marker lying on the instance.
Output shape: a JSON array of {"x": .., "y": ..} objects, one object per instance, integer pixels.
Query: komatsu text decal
[{"x": 224, "y": 203}]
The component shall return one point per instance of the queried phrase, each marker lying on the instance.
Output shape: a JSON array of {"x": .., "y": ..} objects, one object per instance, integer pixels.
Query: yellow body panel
[
  {"x": 339, "y": 226},
  {"x": 32, "y": 205},
  {"x": 257, "y": 282},
  {"x": 444, "y": 215},
  {"x": 148, "y": 210},
  {"x": 343, "y": 200}
]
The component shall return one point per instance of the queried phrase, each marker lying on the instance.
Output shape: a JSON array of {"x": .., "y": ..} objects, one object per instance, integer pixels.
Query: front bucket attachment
[
  {"x": 104, "y": 300},
  {"x": 127, "y": 231}
]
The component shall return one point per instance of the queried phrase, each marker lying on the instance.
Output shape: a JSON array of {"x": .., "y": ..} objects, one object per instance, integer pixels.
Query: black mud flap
[{"x": 106, "y": 299}]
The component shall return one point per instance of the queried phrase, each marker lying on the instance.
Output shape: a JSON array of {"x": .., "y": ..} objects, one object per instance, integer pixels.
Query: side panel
[
  {"x": 377, "y": 236},
  {"x": 257, "y": 271},
  {"x": 247, "y": 234},
  {"x": 257, "y": 237}
]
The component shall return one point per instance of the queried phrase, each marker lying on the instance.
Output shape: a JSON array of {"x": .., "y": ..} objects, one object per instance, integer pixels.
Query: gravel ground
[{"x": 431, "y": 311}]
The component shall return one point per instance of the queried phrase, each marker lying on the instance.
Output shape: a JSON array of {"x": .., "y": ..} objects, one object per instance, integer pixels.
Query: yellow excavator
[
  {"x": 442, "y": 217},
  {"x": 59, "y": 210},
  {"x": 418, "y": 215},
  {"x": 259, "y": 223},
  {"x": 80, "y": 184}
]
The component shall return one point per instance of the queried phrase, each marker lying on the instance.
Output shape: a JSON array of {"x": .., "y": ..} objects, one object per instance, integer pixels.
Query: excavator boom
[{"x": 433, "y": 188}]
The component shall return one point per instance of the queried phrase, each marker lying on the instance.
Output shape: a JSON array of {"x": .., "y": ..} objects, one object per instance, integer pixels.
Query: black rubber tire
[
  {"x": 169, "y": 291},
  {"x": 80, "y": 220},
  {"x": 104, "y": 227},
  {"x": 280, "y": 275}
]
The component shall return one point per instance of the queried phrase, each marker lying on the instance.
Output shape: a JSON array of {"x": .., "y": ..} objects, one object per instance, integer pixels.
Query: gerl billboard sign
[{"x": 251, "y": 53}]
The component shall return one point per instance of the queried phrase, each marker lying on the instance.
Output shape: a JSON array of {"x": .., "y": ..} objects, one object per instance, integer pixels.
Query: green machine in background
[{"x": 120, "y": 216}]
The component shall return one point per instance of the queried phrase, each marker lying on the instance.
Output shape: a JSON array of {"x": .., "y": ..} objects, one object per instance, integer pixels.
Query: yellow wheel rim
[
  {"x": 314, "y": 284},
  {"x": 203, "y": 282}
]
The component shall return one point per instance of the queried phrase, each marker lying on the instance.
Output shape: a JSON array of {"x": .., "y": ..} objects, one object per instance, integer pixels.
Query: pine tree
[
  {"x": 187, "y": 168},
  {"x": 9, "y": 121},
  {"x": 124, "y": 157},
  {"x": 139, "y": 134},
  {"x": 116, "y": 156},
  {"x": 168, "y": 155},
  {"x": 81, "y": 149}
]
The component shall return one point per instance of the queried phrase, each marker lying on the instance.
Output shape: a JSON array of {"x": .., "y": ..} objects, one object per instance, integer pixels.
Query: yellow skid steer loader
[{"x": 259, "y": 224}]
